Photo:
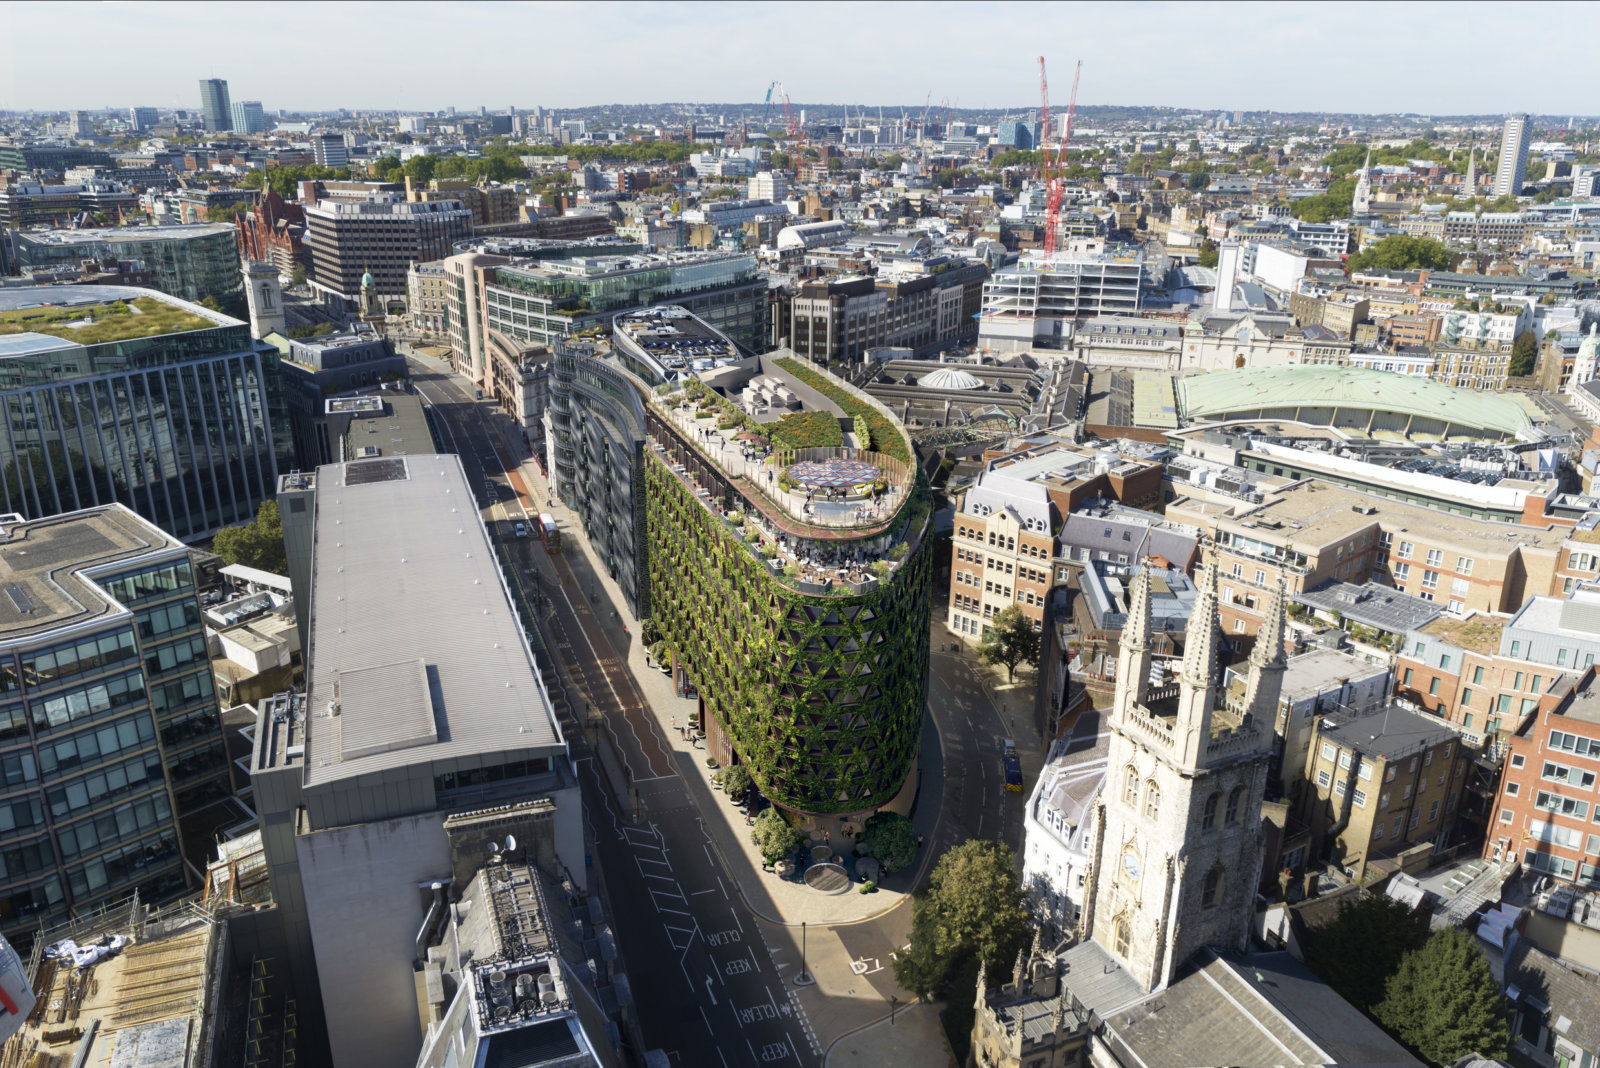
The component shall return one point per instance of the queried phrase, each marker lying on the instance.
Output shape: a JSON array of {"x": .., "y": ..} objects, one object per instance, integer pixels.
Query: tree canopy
[
  {"x": 1009, "y": 641},
  {"x": 736, "y": 781},
  {"x": 1443, "y": 1000},
  {"x": 1402, "y": 252},
  {"x": 890, "y": 839},
  {"x": 970, "y": 911},
  {"x": 1325, "y": 207},
  {"x": 256, "y": 544},
  {"x": 1524, "y": 354},
  {"x": 285, "y": 181},
  {"x": 773, "y": 835},
  {"x": 1363, "y": 946},
  {"x": 1208, "y": 253}
]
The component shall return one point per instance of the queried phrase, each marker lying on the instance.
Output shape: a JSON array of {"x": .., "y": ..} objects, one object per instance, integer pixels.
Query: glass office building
[
  {"x": 109, "y": 730},
  {"x": 192, "y": 261},
  {"x": 119, "y": 394}
]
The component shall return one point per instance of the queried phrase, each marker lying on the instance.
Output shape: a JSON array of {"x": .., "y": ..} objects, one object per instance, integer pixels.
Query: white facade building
[
  {"x": 1055, "y": 829},
  {"x": 1512, "y": 167}
]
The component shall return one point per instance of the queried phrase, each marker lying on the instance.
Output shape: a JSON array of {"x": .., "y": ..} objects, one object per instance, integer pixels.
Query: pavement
[
  {"x": 910, "y": 1036},
  {"x": 685, "y": 885}
]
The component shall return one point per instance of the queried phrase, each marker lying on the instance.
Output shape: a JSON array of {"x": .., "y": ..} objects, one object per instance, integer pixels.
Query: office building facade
[
  {"x": 110, "y": 721},
  {"x": 142, "y": 118},
  {"x": 1512, "y": 168},
  {"x": 173, "y": 411},
  {"x": 192, "y": 261},
  {"x": 215, "y": 106},
  {"x": 249, "y": 117},
  {"x": 382, "y": 234},
  {"x": 329, "y": 150}
]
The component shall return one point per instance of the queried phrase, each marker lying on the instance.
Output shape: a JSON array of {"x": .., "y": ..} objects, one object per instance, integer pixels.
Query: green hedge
[
  {"x": 808, "y": 430},
  {"x": 886, "y": 437}
]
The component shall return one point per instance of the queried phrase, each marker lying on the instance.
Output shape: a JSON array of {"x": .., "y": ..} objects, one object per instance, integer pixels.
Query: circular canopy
[{"x": 833, "y": 474}]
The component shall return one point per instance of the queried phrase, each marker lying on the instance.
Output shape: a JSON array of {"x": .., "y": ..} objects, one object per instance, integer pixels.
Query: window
[
  {"x": 1562, "y": 806},
  {"x": 1466, "y": 696},
  {"x": 1463, "y": 565},
  {"x": 1433, "y": 687},
  {"x": 1535, "y": 686},
  {"x": 1505, "y": 815},
  {"x": 1516, "y": 650},
  {"x": 1365, "y": 770},
  {"x": 1323, "y": 778},
  {"x": 1407, "y": 680},
  {"x": 1579, "y": 777},
  {"x": 1120, "y": 936},
  {"x": 1261, "y": 577},
  {"x": 1360, "y": 799},
  {"x": 1517, "y": 684},
  {"x": 1212, "y": 888},
  {"x": 1405, "y": 550},
  {"x": 1477, "y": 674},
  {"x": 1444, "y": 662},
  {"x": 1130, "y": 791},
  {"x": 1433, "y": 811},
  {"x": 1435, "y": 557},
  {"x": 1233, "y": 805},
  {"x": 1152, "y": 800},
  {"x": 1402, "y": 572},
  {"x": 1430, "y": 580},
  {"x": 1377, "y": 830},
  {"x": 1344, "y": 761},
  {"x": 1208, "y": 816}
]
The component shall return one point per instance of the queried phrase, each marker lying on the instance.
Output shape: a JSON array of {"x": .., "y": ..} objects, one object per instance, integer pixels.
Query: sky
[{"x": 1425, "y": 58}]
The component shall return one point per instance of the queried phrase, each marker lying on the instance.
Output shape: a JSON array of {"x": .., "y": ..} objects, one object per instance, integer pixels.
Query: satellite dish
[
  {"x": 494, "y": 847},
  {"x": 511, "y": 842}
]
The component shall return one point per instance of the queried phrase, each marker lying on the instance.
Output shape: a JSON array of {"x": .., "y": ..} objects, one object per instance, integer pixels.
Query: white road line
[
  {"x": 712, "y": 993},
  {"x": 707, "y": 1020},
  {"x": 697, "y": 893}
]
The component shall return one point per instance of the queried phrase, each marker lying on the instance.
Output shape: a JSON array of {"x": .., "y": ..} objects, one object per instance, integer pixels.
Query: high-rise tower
[
  {"x": 1512, "y": 166},
  {"x": 215, "y": 106},
  {"x": 1176, "y": 847}
]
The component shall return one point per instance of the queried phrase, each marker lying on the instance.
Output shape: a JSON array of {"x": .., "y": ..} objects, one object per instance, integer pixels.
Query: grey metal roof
[
  {"x": 1372, "y": 605},
  {"x": 1543, "y": 980},
  {"x": 1391, "y": 732},
  {"x": 412, "y": 632}
]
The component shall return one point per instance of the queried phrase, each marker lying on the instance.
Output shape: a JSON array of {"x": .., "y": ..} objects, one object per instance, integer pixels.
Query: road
[{"x": 713, "y": 982}]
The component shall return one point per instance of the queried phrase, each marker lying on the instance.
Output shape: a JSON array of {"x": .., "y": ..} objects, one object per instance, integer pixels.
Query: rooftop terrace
[{"x": 89, "y": 315}]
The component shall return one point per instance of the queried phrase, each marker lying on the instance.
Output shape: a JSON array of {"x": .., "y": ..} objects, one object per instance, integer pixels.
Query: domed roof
[
  {"x": 368, "y": 282},
  {"x": 952, "y": 378}
]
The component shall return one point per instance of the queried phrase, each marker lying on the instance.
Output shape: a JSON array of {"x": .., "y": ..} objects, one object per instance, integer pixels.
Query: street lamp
[
  {"x": 894, "y": 1000},
  {"x": 804, "y": 978}
]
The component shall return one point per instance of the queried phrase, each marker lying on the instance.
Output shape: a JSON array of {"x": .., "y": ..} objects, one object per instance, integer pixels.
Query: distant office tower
[
  {"x": 142, "y": 118},
  {"x": 381, "y": 235},
  {"x": 249, "y": 117},
  {"x": 330, "y": 150},
  {"x": 1513, "y": 165},
  {"x": 79, "y": 128},
  {"x": 114, "y": 732},
  {"x": 214, "y": 104},
  {"x": 161, "y": 405}
]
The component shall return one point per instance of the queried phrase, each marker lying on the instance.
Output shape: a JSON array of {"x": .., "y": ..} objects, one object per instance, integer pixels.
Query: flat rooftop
[
  {"x": 126, "y": 234},
  {"x": 1327, "y": 513},
  {"x": 42, "y": 563},
  {"x": 1371, "y": 604},
  {"x": 92, "y": 315},
  {"x": 413, "y": 638},
  {"x": 1478, "y": 634},
  {"x": 1390, "y": 732}
]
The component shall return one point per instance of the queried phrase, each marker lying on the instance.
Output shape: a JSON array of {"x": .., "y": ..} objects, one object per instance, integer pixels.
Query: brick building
[
  {"x": 1547, "y": 803},
  {"x": 273, "y": 231}
]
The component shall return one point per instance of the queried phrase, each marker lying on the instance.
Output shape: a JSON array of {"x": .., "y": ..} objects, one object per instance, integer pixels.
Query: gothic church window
[
  {"x": 1152, "y": 800},
  {"x": 1208, "y": 817},
  {"x": 1233, "y": 805}
]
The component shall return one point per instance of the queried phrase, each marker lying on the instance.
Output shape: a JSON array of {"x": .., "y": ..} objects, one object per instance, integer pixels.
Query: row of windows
[
  {"x": 156, "y": 622},
  {"x": 92, "y": 746},
  {"x": 75, "y": 658},
  {"x": 116, "y": 825},
  {"x": 121, "y": 866},
  {"x": 465, "y": 777},
  {"x": 114, "y": 781},
  {"x": 73, "y": 706},
  {"x": 175, "y": 655},
  {"x": 140, "y": 586}
]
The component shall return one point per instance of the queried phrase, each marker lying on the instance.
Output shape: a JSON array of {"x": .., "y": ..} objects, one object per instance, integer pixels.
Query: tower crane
[
  {"x": 766, "y": 116},
  {"x": 1052, "y": 166}
]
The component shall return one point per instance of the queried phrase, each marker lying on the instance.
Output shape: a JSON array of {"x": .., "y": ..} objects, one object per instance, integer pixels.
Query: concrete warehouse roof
[{"x": 1219, "y": 393}]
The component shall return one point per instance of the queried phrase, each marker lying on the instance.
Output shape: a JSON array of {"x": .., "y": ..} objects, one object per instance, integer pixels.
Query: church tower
[
  {"x": 1361, "y": 203},
  {"x": 1175, "y": 852},
  {"x": 264, "y": 297}
]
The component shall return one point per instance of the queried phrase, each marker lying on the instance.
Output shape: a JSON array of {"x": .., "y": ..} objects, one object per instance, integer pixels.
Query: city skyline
[{"x": 872, "y": 57}]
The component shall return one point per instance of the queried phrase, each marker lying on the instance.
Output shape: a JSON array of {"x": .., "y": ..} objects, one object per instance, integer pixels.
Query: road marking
[
  {"x": 697, "y": 893},
  {"x": 865, "y": 965},
  {"x": 710, "y": 992},
  {"x": 722, "y": 938}
]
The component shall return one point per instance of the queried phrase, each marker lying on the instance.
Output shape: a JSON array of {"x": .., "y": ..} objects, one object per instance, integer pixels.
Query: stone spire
[
  {"x": 1133, "y": 651},
  {"x": 1361, "y": 202},
  {"x": 1267, "y": 663},
  {"x": 1018, "y": 970},
  {"x": 1197, "y": 679},
  {"x": 983, "y": 983},
  {"x": 1472, "y": 171}
]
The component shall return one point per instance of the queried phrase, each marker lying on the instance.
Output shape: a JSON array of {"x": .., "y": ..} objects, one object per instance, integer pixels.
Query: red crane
[{"x": 1052, "y": 168}]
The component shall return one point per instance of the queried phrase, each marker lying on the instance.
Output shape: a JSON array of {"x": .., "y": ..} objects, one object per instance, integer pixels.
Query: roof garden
[{"x": 103, "y": 321}]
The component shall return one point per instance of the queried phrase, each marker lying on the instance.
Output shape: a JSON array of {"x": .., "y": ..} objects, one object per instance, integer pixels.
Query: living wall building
[{"x": 797, "y": 618}]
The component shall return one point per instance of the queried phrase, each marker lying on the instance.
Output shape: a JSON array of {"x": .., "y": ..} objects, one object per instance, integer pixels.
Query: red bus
[{"x": 549, "y": 532}]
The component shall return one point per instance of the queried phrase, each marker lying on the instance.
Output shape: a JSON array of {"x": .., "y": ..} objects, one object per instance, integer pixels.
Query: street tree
[
  {"x": 1009, "y": 641},
  {"x": 1208, "y": 253},
  {"x": 773, "y": 836},
  {"x": 736, "y": 782},
  {"x": 257, "y": 544},
  {"x": 890, "y": 839},
  {"x": 1444, "y": 1002},
  {"x": 970, "y": 912},
  {"x": 1362, "y": 947},
  {"x": 1524, "y": 353}
]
